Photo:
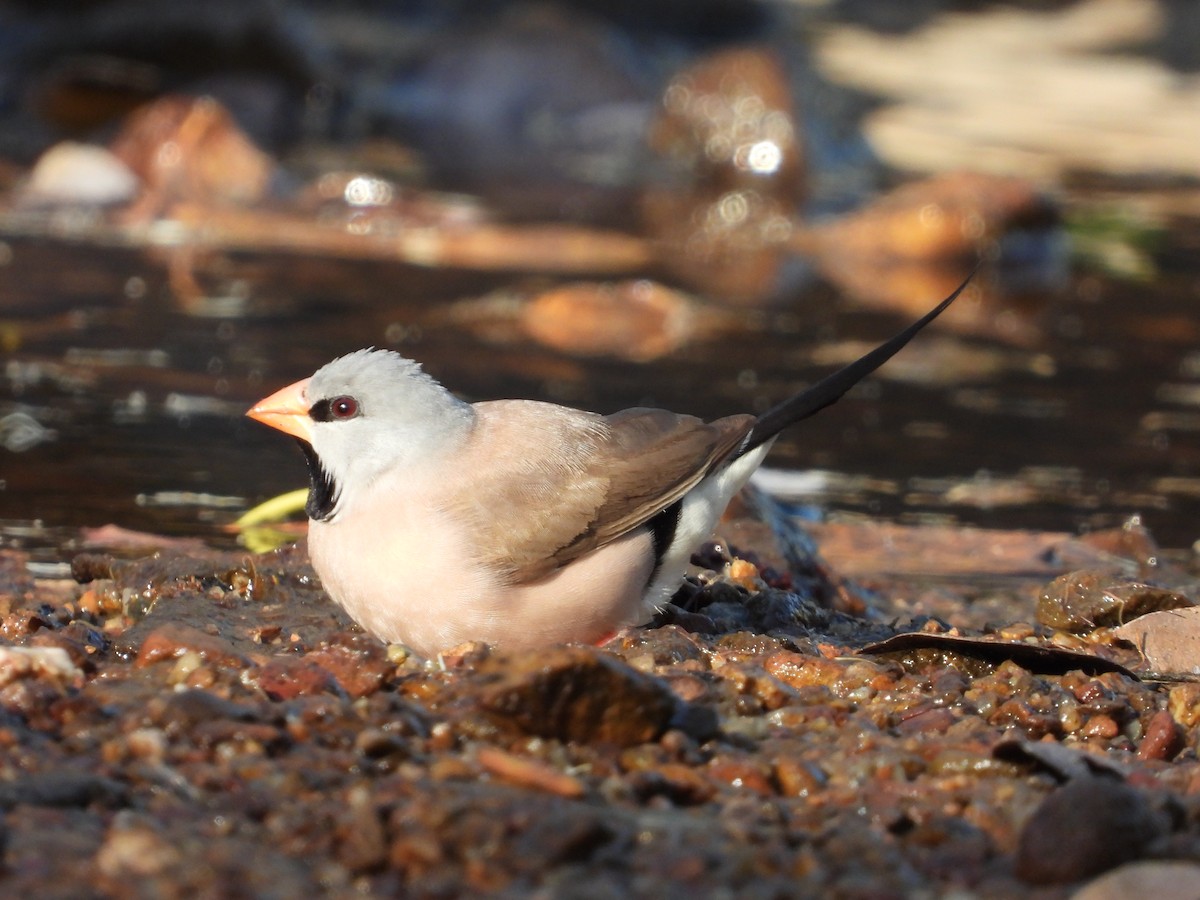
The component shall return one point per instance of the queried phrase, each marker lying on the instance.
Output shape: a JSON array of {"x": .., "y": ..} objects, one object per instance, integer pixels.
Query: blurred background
[{"x": 699, "y": 205}]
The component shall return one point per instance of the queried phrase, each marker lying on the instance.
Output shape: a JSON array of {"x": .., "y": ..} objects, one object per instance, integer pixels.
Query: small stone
[
  {"x": 1101, "y": 727},
  {"x": 265, "y": 634},
  {"x": 742, "y": 774},
  {"x": 375, "y": 743},
  {"x": 683, "y": 785},
  {"x": 1162, "y": 739},
  {"x": 184, "y": 666},
  {"x": 360, "y": 670},
  {"x": 688, "y": 688},
  {"x": 50, "y": 663},
  {"x": 361, "y": 842},
  {"x": 149, "y": 744},
  {"x": 70, "y": 173},
  {"x": 744, "y": 574},
  {"x": 926, "y": 720},
  {"x": 527, "y": 772},
  {"x": 799, "y": 671},
  {"x": 797, "y": 778}
]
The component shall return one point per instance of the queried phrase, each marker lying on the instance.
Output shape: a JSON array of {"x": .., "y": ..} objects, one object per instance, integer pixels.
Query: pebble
[
  {"x": 527, "y": 772},
  {"x": 1159, "y": 879},
  {"x": 1084, "y": 828}
]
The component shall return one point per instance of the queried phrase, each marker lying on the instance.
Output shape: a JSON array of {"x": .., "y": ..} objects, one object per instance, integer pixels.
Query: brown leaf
[
  {"x": 1169, "y": 641},
  {"x": 1064, "y": 763},
  {"x": 1037, "y": 659}
]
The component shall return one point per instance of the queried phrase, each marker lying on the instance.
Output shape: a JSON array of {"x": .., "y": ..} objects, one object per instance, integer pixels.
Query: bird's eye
[{"x": 343, "y": 407}]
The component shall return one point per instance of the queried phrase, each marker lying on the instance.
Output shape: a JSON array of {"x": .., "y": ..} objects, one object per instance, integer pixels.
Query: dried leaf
[
  {"x": 1169, "y": 640},
  {"x": 1064, "y": 763},
  {"x": 1037, "y": 659}
]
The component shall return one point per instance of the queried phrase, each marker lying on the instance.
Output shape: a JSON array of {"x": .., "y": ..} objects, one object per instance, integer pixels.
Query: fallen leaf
[
  {"x": 1064, "y": 763},
  {"x": 1169, "y": 641},
  {"x": 1037, "y": 659}
]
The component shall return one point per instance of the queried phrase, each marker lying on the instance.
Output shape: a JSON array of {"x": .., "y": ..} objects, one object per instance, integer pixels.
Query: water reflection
[
  {"x": 140, "y": 317},
  {"x": 138, "y": 415}
]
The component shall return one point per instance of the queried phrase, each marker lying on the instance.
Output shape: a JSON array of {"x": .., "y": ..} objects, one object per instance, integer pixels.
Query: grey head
[{"x": 373, "y": 411}]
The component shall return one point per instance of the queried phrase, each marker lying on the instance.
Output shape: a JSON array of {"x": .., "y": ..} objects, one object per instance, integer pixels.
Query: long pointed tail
[{"x": 830, "y": 389}]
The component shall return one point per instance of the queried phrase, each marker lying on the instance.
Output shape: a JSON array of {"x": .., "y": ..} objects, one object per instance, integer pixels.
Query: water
[{"x": 122, "y": 407}]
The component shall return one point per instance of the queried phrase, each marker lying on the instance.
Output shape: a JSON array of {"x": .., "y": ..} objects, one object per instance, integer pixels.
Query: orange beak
[{"x": 287, "y": 410}]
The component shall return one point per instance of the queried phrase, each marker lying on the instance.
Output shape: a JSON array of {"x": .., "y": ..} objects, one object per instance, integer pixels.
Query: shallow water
[{"x": 120, "y": 407}]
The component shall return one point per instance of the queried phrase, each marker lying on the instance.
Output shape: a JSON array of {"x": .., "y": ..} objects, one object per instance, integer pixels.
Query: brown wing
[
  {"x": 653, "y": 457},
  {"x": 578, "y": 480}
]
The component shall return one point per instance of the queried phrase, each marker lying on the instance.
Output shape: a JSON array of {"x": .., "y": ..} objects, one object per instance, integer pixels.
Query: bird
[{"x": 519, "y": 523}]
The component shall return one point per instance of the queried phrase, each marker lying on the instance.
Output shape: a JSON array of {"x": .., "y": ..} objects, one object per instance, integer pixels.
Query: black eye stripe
[
  {"x": 320, "y": 411},
  {"x": 340, "y": 407}
]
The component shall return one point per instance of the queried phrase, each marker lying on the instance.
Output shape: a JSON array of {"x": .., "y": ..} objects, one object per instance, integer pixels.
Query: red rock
[
  {"x": 1100, "y": 726},
  {"x": 287, "y": 677},
  {"x": 1162, "y": 739},
  {"x": 360, "y": 670},
  {"x": 172, "y": 640}
]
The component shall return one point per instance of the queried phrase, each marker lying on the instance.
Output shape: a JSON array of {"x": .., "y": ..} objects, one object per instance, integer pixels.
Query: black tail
[{"x": 830, "y": 389}]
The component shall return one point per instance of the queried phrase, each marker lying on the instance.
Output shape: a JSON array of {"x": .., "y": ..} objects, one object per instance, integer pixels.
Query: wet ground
[{"x": 207, "y": 724}]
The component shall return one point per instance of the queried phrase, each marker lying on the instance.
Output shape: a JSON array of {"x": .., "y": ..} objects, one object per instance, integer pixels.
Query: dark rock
[
  {"x": 89, "y": 567},
  {"x": 1087, "y": 827},
  {"x": 62, "y": 789},
  {"x": 577, "y": 694},
  {"x": 696, "y": 721}
]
